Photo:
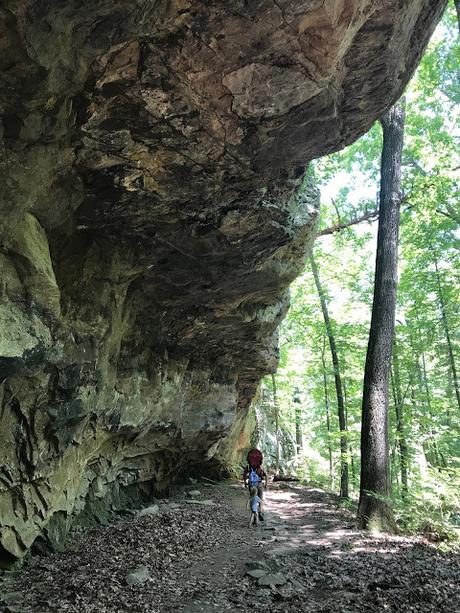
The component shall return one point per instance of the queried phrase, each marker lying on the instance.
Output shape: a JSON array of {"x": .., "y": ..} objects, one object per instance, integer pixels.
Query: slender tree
[
  {"x": 350, "y": 446},
  {"x": 277, "y": 425},
  {"x": 298, "y": 420},
  {"x": 328, "y": 417},
  {"x": 399, "y": 398},
  {"x": 374, "y": 511},
  {"x": 338, "y": 383}
]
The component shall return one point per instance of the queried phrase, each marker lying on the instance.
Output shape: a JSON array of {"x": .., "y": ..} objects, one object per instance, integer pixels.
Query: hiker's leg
[{"x": 260, "y": 493}]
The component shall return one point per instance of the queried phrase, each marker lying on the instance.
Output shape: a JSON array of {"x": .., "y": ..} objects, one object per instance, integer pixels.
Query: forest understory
[{"x": 195, "y": 553}]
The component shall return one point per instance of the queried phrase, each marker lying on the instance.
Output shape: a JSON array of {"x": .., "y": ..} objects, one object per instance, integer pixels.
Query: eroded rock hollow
[{"x": 154, "y": 210}]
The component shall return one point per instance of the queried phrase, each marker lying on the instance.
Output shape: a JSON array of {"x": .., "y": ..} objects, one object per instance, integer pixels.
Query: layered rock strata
[{"x": 153, "y": 213}]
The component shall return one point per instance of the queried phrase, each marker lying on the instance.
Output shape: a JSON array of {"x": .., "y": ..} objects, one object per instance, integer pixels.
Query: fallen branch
[{"x": 210, "y": 480}]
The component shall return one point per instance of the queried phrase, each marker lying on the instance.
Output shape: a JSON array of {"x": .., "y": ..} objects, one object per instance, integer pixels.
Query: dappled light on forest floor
[{"x": 307, "y": 556}]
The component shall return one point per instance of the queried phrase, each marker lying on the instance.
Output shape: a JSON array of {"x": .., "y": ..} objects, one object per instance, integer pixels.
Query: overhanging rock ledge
[{"x": 152, "y": 155}]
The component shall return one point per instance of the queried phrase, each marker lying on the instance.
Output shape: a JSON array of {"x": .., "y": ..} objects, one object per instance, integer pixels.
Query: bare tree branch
[
  {"x": 339, "y": 221},
  {"x": 370, "y": 215},
  {"x": 450, "y": 213}
]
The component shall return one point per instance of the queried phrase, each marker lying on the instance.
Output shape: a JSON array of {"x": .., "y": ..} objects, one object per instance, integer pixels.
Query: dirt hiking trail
[{"x": 196, "y": 553}]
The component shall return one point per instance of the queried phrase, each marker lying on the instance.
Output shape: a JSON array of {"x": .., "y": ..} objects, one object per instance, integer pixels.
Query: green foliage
[
  {"x": 424, "y": 410},
  {"x": 434, "y": 509}
]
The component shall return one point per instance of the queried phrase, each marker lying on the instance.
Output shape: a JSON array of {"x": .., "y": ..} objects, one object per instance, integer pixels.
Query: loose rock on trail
[{"x": 306, "y": 556}]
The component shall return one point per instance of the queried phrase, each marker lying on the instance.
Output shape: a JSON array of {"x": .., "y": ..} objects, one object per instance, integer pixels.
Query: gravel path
[{"x": 194, "y": 557}]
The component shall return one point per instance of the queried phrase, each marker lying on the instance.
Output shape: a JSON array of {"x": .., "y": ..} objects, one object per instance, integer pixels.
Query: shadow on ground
[{"x": 202, "y": 557}]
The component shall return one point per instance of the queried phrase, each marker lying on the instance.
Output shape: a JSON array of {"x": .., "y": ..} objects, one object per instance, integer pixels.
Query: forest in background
[{"x": 318, "y": 439}]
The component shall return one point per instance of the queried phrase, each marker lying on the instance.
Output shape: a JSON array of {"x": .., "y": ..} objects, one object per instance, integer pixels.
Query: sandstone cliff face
[{"x": 151, "y": 221}]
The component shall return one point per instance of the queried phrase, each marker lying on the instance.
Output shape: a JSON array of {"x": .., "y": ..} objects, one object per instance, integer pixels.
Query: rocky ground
[{"x": 195, "y": 553}]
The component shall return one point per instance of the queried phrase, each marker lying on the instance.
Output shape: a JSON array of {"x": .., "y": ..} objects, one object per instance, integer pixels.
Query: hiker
[{"x": 254, "y": 475}]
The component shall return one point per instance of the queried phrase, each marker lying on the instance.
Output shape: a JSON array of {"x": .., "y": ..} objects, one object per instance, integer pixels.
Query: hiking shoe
[{"x": 261, "y": 517}]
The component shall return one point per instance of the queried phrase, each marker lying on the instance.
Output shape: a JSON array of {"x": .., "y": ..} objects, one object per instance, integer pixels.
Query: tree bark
[
  {"x": 277, "y": 426},
  {"x": 457, "y": 8},
  {"x": 374, "y": 511},
  {"x": 338, "y": 383}
]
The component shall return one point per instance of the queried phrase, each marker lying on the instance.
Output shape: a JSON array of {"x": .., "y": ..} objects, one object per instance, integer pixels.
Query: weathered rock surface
[{"x": 151, "y": 221}]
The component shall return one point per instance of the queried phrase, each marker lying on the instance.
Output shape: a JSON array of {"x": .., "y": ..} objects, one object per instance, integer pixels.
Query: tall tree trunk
[
  {"x": 374, "y": 511},
  {"x": 277, "y": 426},
  {"x": 328, "y": 417},
  {"x": 400, "y": 430},
  {"x": 445, "y": 325},
  {"x": 298, "y": 429},
  {"x": 457, "y": 8},
  {"x": 338, "y": 383}
]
